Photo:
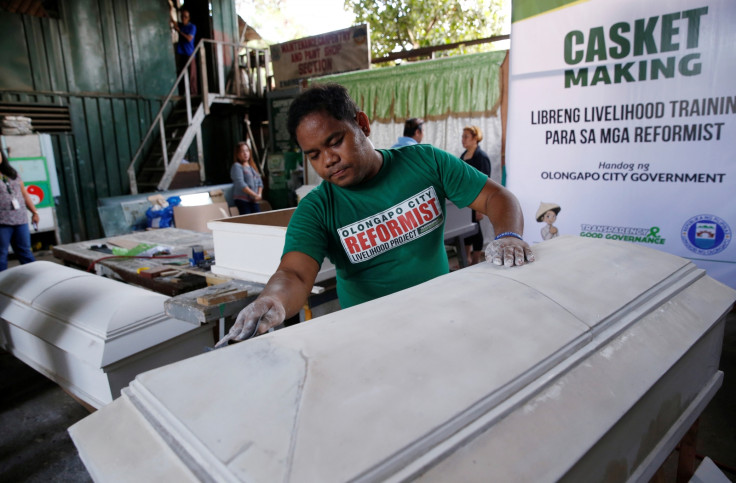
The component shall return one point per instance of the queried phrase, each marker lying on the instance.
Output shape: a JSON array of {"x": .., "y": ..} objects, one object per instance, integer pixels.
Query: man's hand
[
  {"x": 503, "y": 210},
  {"x": 255, "y": 319},
  {"x": 509, "y": 251}
]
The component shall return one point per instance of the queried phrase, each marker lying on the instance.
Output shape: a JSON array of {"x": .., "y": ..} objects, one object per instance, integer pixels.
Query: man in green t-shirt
[{"x": 378, "y": 215}]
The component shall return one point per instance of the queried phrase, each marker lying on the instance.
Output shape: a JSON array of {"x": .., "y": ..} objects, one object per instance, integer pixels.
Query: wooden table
[
  {"x": 81, "y": 255},
  {"x": 186, "y": 307}
]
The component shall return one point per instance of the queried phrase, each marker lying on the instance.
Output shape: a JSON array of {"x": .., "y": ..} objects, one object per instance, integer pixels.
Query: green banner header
[{"x": 523, "y": 9}]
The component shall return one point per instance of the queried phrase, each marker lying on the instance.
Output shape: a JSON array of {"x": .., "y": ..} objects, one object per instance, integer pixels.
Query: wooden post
[
  {"x": 204, "y": 80},
  {"x": 162, "y": 130},
  {"x": 686, "y": 458}
]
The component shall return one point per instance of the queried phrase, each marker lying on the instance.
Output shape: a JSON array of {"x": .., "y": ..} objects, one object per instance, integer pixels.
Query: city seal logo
[{"x": 706, "y": 234}]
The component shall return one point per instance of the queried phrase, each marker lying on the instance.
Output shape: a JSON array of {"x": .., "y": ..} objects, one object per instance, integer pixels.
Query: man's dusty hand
[
  {"x": 255, "y": 319},
  {"x": 509, "y": 251}
]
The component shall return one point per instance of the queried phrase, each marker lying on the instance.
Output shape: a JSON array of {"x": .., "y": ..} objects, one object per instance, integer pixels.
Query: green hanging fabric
[{"x": 463, "y": 85}]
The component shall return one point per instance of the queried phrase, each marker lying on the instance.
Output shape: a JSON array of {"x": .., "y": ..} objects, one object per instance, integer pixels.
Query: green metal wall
[
  {"x": 224, "y": 20},
  {"x": 112, "y": 63}
]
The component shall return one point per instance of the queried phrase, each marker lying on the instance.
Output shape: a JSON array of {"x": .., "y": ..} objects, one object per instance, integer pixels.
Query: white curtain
[{"x": 445, "y": 134}]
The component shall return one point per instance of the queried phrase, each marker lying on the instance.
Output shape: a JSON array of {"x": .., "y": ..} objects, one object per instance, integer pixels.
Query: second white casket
[
  {"x": 91, "y": 335},
  {"x": 587, "y": 365}
]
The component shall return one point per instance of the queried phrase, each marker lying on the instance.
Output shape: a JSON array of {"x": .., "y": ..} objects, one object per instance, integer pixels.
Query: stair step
[
  {"x": 153, "y": 169},
  {"x": 153, "y": 159},
  {"x": 182, "y": 109},
  {"x": 145, "y": 186}
]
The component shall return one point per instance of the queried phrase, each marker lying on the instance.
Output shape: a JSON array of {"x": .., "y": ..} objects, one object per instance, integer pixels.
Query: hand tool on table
[
  {"x": 225, "y": 341},
  {"x": 222, "y": 296}
]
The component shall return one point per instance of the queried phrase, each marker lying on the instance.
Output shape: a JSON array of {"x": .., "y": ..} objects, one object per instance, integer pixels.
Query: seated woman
[{"x": 247, "y": 183}]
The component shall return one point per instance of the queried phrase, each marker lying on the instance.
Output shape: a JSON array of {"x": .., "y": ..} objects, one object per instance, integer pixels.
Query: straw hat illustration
[{"x": 545, "y": 207}]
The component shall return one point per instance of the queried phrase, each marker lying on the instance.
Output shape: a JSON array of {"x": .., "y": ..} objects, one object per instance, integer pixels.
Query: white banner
[{"x": 622, "y": 124}]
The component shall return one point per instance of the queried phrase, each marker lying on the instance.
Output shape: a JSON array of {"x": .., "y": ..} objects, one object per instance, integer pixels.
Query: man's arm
[
  {"x": 503, "y": 210},
  {"x": 284, "y": 295},
  {"x": 186, "y": 36},
  {"x": 292, "y": 283}
]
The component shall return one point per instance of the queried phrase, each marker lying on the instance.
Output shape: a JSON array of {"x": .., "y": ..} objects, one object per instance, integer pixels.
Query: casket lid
[
  {"x": 94, "y": 318},
  {"x": 364, "y": 392}
]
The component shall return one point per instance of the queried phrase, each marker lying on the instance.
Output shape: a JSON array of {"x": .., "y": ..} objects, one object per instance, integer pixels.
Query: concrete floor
[{"x": 35, "y": 414}]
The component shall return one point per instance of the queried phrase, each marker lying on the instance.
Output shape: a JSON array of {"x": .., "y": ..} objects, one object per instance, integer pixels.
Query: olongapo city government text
[{"x": 635, "y": 176}]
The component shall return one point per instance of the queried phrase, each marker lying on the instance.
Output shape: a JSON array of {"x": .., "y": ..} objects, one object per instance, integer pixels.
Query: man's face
[
  {"x": 419, "y": 135},
  {"x": 338, "y": 150},
  {"x": 184, "y": 17}
]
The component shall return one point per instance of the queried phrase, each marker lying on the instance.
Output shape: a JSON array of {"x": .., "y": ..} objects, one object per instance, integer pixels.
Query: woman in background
[
  {"x": 477, "y": 158},
  {"x": 247, "y": 183},
  {"x": 14, "y": 200}
]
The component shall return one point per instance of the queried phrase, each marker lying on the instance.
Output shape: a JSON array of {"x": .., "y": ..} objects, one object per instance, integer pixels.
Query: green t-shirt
[{"x": 386, "y": 234}]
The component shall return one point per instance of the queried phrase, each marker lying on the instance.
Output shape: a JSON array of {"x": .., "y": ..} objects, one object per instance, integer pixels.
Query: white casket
[
  {"x": 587, "y": 365},
  {"x": 90, "y": 334},
  {"x": 249, "y": 247}
]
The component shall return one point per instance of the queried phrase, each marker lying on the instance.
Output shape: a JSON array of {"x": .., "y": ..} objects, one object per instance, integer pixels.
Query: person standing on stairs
[{"x": 184, "y": 49}]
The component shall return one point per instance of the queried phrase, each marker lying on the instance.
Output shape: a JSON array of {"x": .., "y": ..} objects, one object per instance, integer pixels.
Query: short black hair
[
  {"x": 411, "y": 126},
  {"x": 330, "y": 98}
]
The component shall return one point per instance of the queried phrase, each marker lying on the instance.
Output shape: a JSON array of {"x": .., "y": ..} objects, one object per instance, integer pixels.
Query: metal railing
[{"x": 248, "y": 75}]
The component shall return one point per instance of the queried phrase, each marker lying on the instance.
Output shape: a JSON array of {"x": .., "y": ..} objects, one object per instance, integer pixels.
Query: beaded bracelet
[{"x": 509, "y": 233}]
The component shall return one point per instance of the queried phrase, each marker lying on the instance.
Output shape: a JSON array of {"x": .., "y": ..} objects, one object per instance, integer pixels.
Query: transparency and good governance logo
[
  {"x": 706, "y": 234},
  {"x": 624, "y": 233}
]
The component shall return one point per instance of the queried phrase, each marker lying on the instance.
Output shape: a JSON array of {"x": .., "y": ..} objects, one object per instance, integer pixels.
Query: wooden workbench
[
  {"x": 81, "y": 255},
  {"x": 185, "y": 306}
]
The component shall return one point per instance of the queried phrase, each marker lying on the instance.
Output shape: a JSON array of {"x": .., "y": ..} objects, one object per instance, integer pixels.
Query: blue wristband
[{"x": 509, "y": 233}]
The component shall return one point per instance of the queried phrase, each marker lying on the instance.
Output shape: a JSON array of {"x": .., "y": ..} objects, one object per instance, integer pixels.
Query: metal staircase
[{"x": 179, "y": 121}]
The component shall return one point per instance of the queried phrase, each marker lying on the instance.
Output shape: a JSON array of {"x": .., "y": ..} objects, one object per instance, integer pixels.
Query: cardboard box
[
  {"x": 217, "y": 196},
  {"x": 195, "y": 218},
  {"x": 249, "y": 247}
]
